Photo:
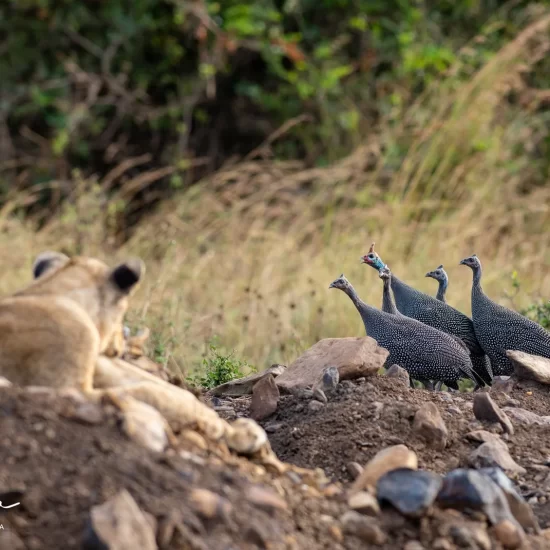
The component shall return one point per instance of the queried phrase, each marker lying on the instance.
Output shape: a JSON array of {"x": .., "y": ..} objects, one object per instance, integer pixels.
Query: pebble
[
  {"x": 429, "y": 425},
  {"x": 246, "y": 436},
  {"x": 390, "y": 458},
  {"x": 485, "y": 409},
  {"x": 330, "y": 379},
  {"x": 87, "y": 413},
  {"x": 470, "y": 537},
  {"x": 272, "y": 428},
  {"x": 442, "y": 544},
  {"x": 315, "y": 406},
  {"x": 320, "y": 395},
  {"x": 364, "y": 503},
  {"x": 265, "y": 498},
  {"x": 208, "y": 504},
  {"x": 413, "y": 545},
  {"x": 265, "y": 398},
  {"x": 412, "y": 492},
  {"x": 454, "y": 410},
  {"x": 495, "y": 453},
  {"x": 482, "y": 436},
  {"x": 395, "y": 371},
  {"x": 364, "y": 527},
  {"x": 509, "y": 535},
  {"x": 354, "y": 469}
]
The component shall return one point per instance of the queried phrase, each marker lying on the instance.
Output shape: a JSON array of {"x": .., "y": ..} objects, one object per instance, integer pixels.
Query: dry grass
[{"x": 249, "y": 254}]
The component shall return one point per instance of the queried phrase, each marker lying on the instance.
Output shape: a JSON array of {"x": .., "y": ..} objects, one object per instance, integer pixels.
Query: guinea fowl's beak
[
  {"x": 363, "y": 259},
  {"x": 331, "y": 285},
  {"x": 462, "y": 262},
  {"x": 427, "y": 274}
]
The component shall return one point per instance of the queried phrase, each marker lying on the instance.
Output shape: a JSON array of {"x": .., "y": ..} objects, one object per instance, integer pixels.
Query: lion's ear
[
  {"x": 126, "y": 276},
  {"x": 47, "y": 262}
]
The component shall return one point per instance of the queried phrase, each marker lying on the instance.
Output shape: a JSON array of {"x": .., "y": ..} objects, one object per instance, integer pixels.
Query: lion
[{"x": 65, "y": 330}]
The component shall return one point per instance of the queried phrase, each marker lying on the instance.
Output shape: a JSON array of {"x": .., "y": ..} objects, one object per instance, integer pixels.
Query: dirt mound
[{"x": 63, "y": 468}]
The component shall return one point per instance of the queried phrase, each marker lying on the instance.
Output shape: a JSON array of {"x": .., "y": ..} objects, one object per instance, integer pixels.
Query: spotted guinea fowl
[
  {"x": 499, "y": 329},
  {"x": 430, "y": 311},
  {"x": 426, "y": 353},
  {"x": 440, "y": 275},
  {"x": 388, "y": 306}
]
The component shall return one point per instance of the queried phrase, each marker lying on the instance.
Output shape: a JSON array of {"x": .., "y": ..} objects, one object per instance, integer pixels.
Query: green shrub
[{"x": 219, "y": 368}]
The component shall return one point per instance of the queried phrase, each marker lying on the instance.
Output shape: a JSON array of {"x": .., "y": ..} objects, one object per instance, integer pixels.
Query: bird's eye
[{"x": 371, "y": 256}]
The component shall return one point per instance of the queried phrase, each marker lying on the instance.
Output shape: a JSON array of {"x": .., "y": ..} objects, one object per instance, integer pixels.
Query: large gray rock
[
  {"x": 353, "y": 357},
  {"x": 265, "y": 397},
  {"x": 530, "y": 367},
  {"x": 244, "y": 386}
]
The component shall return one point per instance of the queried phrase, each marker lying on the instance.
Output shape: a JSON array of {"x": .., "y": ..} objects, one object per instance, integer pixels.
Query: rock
[
  {"x": 353, "y": 357},
  {"x": 386, "y": 460},
  {"x": 442, "y": 544},
  {"x": 244, "y": 386},
  {"x": 274, "y": 427},
  {"x": 464, "y": 489},
  {"x": 413, "y": 545},
  {"x": 486, "y": 409},
  {"x": 364, "y": 527},
  {"x": 509, "y": 535},
  {"x": 411, "y": 492},
  {"x": 9, "y": 540},
  {"x": 523, "y": 416},
  {"x": 330, "y": 379},
  {"x": 320, "y": 395},
  {"x": 265, "y": 498},
  {"x": 119, "y": 524},
  {"x": 143, "y": 423},
  {"x": 474, "y": 538},
  {"x": 519, "y": 508},
  {"x": 429, "y": 425},
  {"x": 87, "y": 413},
  {"x": 503, "y": 384},
  {"x": 265, "y": 397},
  {"x": 495, "y": 453},
  {"x": 245, "y": 436},
  {"x": 5, "y": 383},
  {"x": 209, "y": 505},
  {"x": 530, "y": 367},
  {"x": 315, "y": 406},
  {"x": 395, "y": 371},
  {"x": 364, "y": 503},
  {"x": 482, "y": 436},
  {"x": 354, "y": 469}
]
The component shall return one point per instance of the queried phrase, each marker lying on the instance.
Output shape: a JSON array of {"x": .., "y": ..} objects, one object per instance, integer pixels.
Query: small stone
[
  {"x": 275, "y": 427},
  {"x": 485, "y": 409},
  {"x": 429, "y": 425},
  {"x": 413, "y": 545},
  {"x": 495, "y": 453},
  {"x": 208, "y": 504},
  {"x": 265, "y": 498},
  {"x": 330, "y": 379},
  {"x": 336, "y": 533},
  {"x": 320, "y": 395},
  {"x": 454, "y": 410},
  {"x": 119, "y": 524},
  {"x": 470, "y": 537},
  {"x": 482, "y": 436},
  {"x": 364, "y": 527},
  {"x": 528, "y": 418},
  {"x": 364, "y": 503},
  {"x": 509, "y": 535},
  {"x": 5, "y": 383},
  {"x": 315, "y": 406},
  {"x": 265, "y": 397},
  {"x": 386, "y": 460},
  {"x": 442, "y": 544},
  {"x": 503, "y": 384},
  {"x": 245, "y": 436},
  {"x": 87, "y": 413},
  {"x": 412, "y": 492},
  {"x": 395, "y": 371},
  {"x": 354, "y": 469}
]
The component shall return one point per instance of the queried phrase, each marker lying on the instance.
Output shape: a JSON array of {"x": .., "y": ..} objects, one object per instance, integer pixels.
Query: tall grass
[{"x": 248, "y": 255}]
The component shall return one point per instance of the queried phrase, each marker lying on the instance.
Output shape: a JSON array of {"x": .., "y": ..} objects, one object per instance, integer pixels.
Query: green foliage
[
  {"x": 219, "y": 368},
  {"x": 539, "y": 312}
]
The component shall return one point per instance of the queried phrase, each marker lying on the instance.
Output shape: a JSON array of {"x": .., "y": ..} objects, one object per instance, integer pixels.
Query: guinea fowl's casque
[
  {"x": 499, "y": 329},
  {"x": 426, "y": 353},
  {"x": 440, "y": 275},
  {"x": 388, "y": 306},
  {"x": 430, "y": 311}
]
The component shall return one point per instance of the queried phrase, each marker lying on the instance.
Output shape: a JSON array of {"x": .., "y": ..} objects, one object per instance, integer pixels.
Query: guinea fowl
[
  {"x": 388, "y": 306},
  {"x": 424, "y": 352},
  {"x": 440, "y": 275},
  {"x": 430, "y": 311},
  {"x": 499, "y": 329}
]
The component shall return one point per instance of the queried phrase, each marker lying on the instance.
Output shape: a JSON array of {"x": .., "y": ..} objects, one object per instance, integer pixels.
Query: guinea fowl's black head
[
  {"x": 438, "y": 274},
  {"x": 342, "y": 283},
  {"x": 373, "y": 259},
  {"x": 472, "y": 262}
]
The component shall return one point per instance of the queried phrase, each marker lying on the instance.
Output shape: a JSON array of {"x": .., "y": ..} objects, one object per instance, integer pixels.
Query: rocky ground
[{"x": 399, "y": 472}]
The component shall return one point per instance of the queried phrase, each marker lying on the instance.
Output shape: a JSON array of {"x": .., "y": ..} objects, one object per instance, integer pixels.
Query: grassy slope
[{"x": 249, "y": 254}]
